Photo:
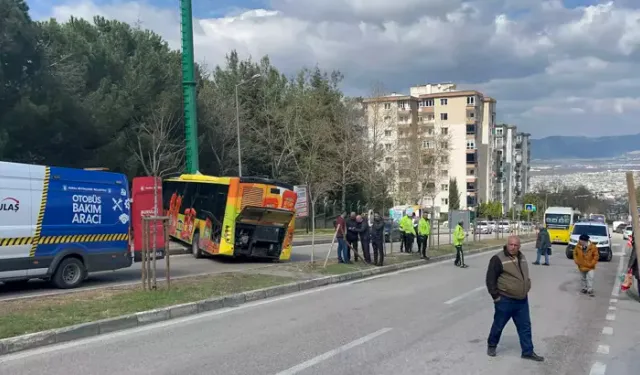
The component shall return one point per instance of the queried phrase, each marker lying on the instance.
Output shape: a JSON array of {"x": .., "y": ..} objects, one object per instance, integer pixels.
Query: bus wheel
[
  {"x": 195, "y": 250},
  {"x": 69, "y": 274}
]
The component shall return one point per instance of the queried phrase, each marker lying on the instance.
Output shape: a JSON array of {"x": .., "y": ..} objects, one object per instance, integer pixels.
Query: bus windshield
[{"x": 558, "y": 220}]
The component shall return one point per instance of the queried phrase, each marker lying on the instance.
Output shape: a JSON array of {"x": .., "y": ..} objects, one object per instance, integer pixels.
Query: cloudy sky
[{"x": 556, "y": 67}]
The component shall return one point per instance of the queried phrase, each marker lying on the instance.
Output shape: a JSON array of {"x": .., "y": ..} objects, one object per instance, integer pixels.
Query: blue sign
[{"x": 530, "y": 207}]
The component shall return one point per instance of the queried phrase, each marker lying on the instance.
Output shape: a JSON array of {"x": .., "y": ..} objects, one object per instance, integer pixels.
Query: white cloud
[{"x": 554, "y": 70}]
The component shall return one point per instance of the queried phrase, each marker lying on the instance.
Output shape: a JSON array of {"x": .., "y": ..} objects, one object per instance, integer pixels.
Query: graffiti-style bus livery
[{"x": 231, "y": 216}]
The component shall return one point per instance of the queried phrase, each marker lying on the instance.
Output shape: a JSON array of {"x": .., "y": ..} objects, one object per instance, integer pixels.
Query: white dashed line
[
  {"x": 613, "y": 300},
  {"x": 603, "y": 349},
  {"x": 598, "y": 368},
  {"x": 611, "y": 317},
  {"x": 607, "y": 330},
  {"x": 612, "y": 308}
]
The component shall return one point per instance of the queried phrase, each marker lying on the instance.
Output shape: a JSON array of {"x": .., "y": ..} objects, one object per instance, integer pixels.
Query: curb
[
  {"x": 85, "y": 330},
  {"x": 177, "y": 248}
]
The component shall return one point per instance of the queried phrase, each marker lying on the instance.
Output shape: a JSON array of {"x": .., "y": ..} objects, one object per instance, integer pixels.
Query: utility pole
[{"x": 189, "y": 87}]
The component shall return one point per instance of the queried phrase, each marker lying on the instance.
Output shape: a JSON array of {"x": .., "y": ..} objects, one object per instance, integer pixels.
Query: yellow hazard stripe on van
[
  {"x": 43, "y": 205},
  {"x": 53, "y": 240}
]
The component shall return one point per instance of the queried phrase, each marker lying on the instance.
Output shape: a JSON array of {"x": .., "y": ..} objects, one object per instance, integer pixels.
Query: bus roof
[
  {"x": 561, "y": 210},
  {"x": 227, "y": 180}
]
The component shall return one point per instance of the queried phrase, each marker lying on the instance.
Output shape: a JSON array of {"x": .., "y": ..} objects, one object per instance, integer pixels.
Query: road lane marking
[
  {"x": 464, "y": 295},
  {"x": 611, "y": 317},
  {"x": 332, "y": 353},
  {"x": 613, "y": 300},
  {"x": 612, "y": 308},
  {"x": 603, "y": 349},
  {"x": 607, "y": 330},
  {"x": 598, "y": 368}
]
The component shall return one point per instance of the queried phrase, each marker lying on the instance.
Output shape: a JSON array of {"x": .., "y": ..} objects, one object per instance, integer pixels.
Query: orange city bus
[{"x": 231, "y": 216}]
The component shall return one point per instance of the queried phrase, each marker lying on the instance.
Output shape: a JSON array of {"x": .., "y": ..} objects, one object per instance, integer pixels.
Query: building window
[
  {"x": 444, "y": 201},
  {"x": 471, "y": 129},
  {"x": 419, "y": 118},
  {"x": 444, "y": 145},
  {"x": 431, "y": 117},
  {"x": 400, "y": 133},
  {"x": 403, "y": 105},
  {"x": 388, "y": 159},
  {"x": 444, "y": 173},
  {"x": 387, "y": 146},
  {"x": 472, "y": 114},
  {"x": 387, "y": 118},
  {"x": 427, "y": 103},
  {"x": 471, "y": 144},
  {"x": 444, "y": 159},
  {"x": 427, "y": 144},
  {"x": 444, "y": 131},
  {"x": 471, "y": 100},
  {"x": 387, "y": 105},
  {"x": 444, "y": 116},
  {"x": 499, "y": 132},
  {"x": 444, "y": 187},
  {"x": 471, "y": 186},
  {"x": 387, "y": 133},
  {"x": 430, "y": 131},
  {"x": 471, "y": 158},
  {"x": 443, "y": 101},
  {"x": 471, "y": 172}
]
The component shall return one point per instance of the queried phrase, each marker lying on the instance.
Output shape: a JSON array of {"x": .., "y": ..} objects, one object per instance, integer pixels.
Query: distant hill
[{"x": 559, "y": 147}]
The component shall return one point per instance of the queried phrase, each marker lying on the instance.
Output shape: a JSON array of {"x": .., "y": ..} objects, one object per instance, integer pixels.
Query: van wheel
[
  {"x": 609, "y": 256},
  {"x": 69, "y": 274},
  {"x": 195, "y": 250}
]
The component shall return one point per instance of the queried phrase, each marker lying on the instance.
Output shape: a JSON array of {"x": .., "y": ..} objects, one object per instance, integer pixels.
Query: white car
[
  {"x": 492, "y": 225},
  {"x": 628, "y": 231},
  {"x": 504, "y": 227},
  {"x": 483, "y": 227},
  {"x": 598, "y": 234}
]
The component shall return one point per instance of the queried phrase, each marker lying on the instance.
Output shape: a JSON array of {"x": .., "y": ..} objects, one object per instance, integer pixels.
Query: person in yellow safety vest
[
  {"x": 458, "y": 238},
  {"x": 424, "y": 230},
  {"x": 406, "y": 226}
]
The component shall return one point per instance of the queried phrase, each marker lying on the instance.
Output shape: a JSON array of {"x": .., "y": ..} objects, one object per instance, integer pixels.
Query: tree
[
  {"x": 454, "y": 195},
  {"x": 490, "y": 210},
  {"x": 308, "y": 126},
  {"x": 377, "y": 173}
]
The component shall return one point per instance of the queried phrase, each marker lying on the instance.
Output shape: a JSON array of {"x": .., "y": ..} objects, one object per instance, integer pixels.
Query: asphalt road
[
  {"x": 432, "y": 319},
  {"x": 181, "y": 266}
]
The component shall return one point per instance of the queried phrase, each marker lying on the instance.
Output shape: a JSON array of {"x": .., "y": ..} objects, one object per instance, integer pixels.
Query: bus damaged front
[{"x": 262, "y": 232}]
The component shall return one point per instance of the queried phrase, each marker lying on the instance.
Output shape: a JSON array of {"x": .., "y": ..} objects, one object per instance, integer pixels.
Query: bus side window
[
  {"x": 221, "y": 203},
  {"x": 189, "y": 197}
]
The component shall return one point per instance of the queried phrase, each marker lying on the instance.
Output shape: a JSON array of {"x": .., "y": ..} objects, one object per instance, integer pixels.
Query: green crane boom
[{"x": 189, "y": 88}]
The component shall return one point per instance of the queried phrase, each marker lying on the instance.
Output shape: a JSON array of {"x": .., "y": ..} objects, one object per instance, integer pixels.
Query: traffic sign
[{"x": 530, "y": 207}]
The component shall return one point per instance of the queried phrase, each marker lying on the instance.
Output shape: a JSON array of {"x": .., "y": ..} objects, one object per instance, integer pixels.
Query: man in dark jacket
[
  {"x": 543, "y": 245},
  {"x": 364, "y": 237},
  {"x": 508, "y": 283},
  {"x": 341, "y": 230},
  {"x": 377, "y": 240},
  {"x": 353, "y": 231}
]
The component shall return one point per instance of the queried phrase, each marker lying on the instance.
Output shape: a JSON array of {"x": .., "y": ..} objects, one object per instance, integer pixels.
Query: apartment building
[
  {"x": 505, "y": 180},
  {"x": 434, "y": 134},
  {"x": 522, "y": 166}
]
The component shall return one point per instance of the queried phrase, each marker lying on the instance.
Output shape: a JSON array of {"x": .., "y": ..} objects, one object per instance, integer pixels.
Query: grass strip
[{"x": 43, "y": 313}]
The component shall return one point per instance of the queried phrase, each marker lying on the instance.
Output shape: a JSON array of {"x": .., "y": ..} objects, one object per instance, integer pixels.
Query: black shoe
[
  {"x": 464, "y": 266},
  {"x": 583, "y": 291},
  {"x": 533, "y": 357},
  {"x": 536, "y": 263},
  {"x": 546, "y": 264},
  {"x": 491, "y": 351},
  {"x": 591, "y": 293}
]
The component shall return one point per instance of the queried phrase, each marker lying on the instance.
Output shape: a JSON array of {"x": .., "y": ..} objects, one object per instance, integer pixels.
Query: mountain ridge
[{"x": 582, "y": 147}]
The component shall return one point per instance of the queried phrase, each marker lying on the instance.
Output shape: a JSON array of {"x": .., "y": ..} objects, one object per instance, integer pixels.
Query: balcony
[
  {"x": 472, "y": 157},
  {"x": 471, "y": 187},
  {"x": 471, "y": 201},
  {"x": 471, "y": 129}
]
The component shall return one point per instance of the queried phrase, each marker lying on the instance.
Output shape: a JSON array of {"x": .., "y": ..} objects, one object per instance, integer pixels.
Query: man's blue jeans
[
  {"x": 518, "y": 310},
  {"x": 546, "y": 255},
  {"x": 343, "y": 254}
]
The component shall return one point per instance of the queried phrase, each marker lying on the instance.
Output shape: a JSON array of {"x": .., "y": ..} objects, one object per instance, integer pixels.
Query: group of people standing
[
  {"x": 412, "y": 228},
  {"x": 356, "y": 230}
]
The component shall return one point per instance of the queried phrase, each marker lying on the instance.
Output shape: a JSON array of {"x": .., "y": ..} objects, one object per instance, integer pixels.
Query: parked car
[
  {"x": 504, "y": 227},
  {"x": 628, "y": 231},
  {"x": 620, "y": 228},
  {"x": 483, "y": 227},
  {"x": 391, "y": 231}
]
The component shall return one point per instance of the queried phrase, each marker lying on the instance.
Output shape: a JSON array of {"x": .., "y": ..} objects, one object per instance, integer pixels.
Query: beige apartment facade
[{"x": 435, "y": 134}]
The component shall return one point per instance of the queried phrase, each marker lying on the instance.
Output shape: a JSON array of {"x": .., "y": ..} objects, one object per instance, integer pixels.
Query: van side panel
[
  {"x": 87, "y": 213},
  {"x": 17, "y": 219}
]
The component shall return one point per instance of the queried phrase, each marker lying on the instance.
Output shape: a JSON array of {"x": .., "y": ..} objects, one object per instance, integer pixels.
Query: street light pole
[{"x": 238, "y": 121}]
